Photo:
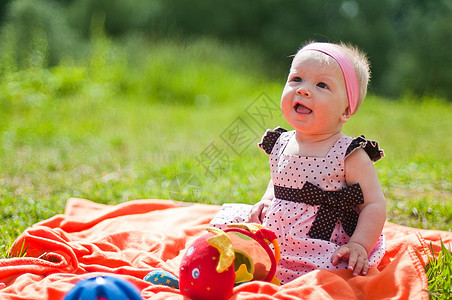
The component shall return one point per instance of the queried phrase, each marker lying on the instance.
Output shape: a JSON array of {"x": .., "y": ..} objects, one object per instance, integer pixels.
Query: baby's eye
[
  {"x": 296, "y": 79},
  {"x": 322, "y": 85}
]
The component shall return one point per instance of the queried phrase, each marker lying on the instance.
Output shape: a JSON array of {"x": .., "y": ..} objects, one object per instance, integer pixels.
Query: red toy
[{"x": 217, "y": 261}]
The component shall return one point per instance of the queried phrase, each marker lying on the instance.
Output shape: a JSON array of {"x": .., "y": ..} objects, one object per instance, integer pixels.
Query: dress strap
[
  {"x": 269, "y": 139},
  {"x": 371, "y": 147}
]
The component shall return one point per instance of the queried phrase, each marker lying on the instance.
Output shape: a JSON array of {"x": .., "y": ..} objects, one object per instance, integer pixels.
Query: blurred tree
[
  {"x": 422, "y": 58},
  {"x": 279, "y": 28},
  {"x": 38, "y": 33},
  {"x": 121, "y": 16},
  {"x": 3, "y": 9},
  {"x": 404, "y": 39}
]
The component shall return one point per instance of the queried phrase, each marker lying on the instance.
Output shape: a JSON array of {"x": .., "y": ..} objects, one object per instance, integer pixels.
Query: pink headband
[{"x": 351, "y": 82}]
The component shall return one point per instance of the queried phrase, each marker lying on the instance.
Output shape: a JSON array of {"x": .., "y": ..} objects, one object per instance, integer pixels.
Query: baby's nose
[{"x": 303, "y": 92}]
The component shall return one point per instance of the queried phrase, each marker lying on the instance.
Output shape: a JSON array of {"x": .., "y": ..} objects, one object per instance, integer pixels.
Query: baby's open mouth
[{"x": 301, "y": 109}]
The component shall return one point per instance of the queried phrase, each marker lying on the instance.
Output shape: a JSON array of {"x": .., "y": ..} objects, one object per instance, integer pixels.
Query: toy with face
[
  {"x": 218, "y": 260},
  {"x": 207, "y": 269}
]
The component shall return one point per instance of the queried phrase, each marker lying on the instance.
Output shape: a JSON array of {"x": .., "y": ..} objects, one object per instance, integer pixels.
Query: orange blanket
[{"x": 133, "y": 238}]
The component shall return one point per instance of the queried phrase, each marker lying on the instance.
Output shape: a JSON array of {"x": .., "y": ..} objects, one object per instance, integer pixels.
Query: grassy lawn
[{"x": 161, "y": 125}]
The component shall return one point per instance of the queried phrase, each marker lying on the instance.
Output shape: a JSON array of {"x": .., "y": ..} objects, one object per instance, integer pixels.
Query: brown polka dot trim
[{"x": 269, "y": 139}]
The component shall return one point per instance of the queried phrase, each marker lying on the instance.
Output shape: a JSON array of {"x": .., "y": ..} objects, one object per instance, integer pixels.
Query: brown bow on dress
[{"x": 334, "y": 206}]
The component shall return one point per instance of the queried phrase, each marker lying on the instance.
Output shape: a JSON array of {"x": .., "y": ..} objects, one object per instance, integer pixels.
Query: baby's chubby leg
[
  {"x": 244, "y": 213},
  {"x": 231, "y": 213}
]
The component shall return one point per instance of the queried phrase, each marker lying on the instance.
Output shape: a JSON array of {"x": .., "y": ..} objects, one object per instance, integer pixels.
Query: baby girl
[{"x": 324, "y": 200}]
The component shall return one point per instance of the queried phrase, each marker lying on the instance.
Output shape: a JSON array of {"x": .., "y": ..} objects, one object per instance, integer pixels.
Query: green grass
[
  {"x": 125, "y": 124},
  {"x": 439, "y": 273}
]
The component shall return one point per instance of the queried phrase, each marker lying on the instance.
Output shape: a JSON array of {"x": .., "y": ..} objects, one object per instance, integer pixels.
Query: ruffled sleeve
[
  {"x": 269, "y": 139},
  {"x": 371, "y": 147}
]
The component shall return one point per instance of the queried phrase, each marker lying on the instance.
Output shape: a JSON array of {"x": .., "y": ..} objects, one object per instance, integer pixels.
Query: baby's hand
[
  {"x": 356, "y": 256},
  {"x": 258, "y": 211}
]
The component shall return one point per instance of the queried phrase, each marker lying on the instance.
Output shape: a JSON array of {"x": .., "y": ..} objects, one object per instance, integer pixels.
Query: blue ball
[
  {"x": 161, "y": 277},
  {"x": 105, "y": 287}
]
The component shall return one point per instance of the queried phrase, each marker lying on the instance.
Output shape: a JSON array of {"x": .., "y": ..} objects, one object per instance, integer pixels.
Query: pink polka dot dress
[{"x": 314, "y": 212}]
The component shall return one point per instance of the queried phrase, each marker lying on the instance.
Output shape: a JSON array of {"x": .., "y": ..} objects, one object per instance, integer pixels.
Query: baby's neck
[{"x": 311, "y": 145}]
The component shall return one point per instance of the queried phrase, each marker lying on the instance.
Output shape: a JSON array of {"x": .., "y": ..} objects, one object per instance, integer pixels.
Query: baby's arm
[
  {"x": 360, "y": 169},
  {"x": 259, "y": 209}
]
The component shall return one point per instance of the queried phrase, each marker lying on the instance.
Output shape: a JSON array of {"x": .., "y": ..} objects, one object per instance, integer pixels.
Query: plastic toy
[
  {"x": 105, "y": 288},
  {"x": 217, "y": 261},
  {"x": 161, "y": 277}
]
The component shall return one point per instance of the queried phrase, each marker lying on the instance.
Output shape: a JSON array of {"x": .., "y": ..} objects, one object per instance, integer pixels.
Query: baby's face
[{"x": 314, "y": 99}]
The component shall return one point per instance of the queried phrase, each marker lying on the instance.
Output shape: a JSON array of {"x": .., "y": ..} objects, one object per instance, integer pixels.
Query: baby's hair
[{"x": 360, "y": 64}]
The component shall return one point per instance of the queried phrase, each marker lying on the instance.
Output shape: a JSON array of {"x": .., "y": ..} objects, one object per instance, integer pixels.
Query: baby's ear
[{"x": 346, "y": 115}]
